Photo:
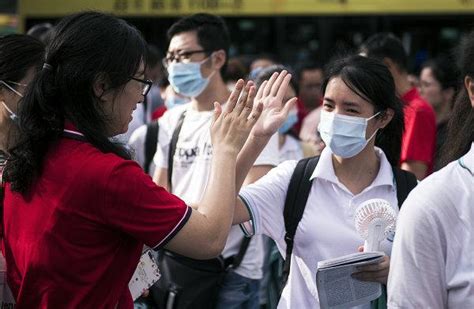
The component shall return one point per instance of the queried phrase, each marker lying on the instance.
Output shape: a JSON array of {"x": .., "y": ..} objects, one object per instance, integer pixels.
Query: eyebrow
[{"x": 345, "y": 103}]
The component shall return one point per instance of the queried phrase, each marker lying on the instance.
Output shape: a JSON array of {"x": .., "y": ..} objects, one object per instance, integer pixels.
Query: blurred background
[{"x": 293, "y": 31}]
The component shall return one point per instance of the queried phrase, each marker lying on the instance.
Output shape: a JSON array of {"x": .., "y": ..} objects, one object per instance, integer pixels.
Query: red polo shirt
[
  {"x": 419, "y": 138},
  {"x": 75, "y": 240}
]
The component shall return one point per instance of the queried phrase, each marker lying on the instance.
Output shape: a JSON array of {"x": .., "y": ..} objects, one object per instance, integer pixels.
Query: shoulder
[{"x": 172, "y": 116}]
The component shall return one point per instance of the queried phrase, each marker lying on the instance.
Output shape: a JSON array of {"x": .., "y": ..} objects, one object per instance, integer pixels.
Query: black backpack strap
[
  {"x": 151, "y": 142},
  {"x": 172, "y": 150},
  {"x": 235, "y": 260},
  {"x": 405, "y": 182},
  {"x": 296, "y": 197}
]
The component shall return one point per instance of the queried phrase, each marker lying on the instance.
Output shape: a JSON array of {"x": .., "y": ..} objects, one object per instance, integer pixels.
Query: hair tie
[{"x": 47, "y": 66}]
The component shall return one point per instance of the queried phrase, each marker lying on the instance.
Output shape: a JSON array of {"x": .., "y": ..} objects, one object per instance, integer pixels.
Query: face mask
[
  {"x": 12, "y": 116},
  {"x": 289, "y": 122},
  {"x": 173, "y": 101},
  {"x": 186, "y": 78},
  {"x": 344, "y": 135}
]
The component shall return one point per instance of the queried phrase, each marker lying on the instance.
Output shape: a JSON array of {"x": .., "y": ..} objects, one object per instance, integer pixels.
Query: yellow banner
[{"x": 53, "y": 8}]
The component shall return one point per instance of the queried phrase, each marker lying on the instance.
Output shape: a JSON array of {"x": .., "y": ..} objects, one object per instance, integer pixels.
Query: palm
[{"x": 270, "y": 95}]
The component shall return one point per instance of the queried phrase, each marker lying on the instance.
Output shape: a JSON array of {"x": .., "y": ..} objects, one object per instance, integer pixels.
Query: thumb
[
  {"x": 360, "y": 249},
  {"x": 289, "y": 105}
]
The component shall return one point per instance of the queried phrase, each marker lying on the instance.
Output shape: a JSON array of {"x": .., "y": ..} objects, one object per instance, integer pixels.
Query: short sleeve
[
  {"x": 419, "y": 138},
  {"x": 269, "y": 154},
  {"x": 265, "y": 200},
  {"x": 140, "y": 208}
]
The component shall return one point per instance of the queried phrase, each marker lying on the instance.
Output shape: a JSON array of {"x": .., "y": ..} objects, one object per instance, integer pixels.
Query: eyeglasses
[
  {"x": 6, "y": 84},
  {"x": 181, "y": 56},
  {"x": 146, "y": 85}
]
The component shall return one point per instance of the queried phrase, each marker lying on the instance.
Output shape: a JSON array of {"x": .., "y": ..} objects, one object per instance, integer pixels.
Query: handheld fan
[{"x": 374, "y": 220}]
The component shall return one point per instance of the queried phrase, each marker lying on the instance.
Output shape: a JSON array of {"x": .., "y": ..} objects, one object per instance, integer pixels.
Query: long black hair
[
  {"x": 371, "y": 80},
  {"x": 84, "y": 48},
  {"x": 460, "y": 133}
]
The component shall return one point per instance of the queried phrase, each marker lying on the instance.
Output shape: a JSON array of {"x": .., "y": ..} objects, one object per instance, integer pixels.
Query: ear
[
  {"x": 469, "y": 84},
  {"x": 218, "y": 58},
  {"x": 386, "y": 117},
  {"x": 100, "y": 85}
]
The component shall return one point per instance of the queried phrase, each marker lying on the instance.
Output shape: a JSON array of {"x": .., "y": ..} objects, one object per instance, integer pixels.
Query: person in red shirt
[
  {"x": 77, "y": 210},
  {"x": 419, "y": 137}
]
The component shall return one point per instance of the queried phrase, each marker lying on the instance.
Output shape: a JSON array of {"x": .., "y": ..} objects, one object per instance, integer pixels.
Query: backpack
[
  {"x": 151, "y": 142},
  {"x": 297, "y": 195},
  {"x": 186, "y": 282}
]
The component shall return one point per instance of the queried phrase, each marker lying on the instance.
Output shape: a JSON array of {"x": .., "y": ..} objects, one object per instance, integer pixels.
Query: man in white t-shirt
[{"x": 196, "y": 58}]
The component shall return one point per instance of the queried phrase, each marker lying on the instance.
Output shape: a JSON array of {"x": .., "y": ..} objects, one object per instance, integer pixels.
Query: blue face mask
[
  {"x": 344, "y": 135},
  {"x": 186, "y": 78},
  {"x": 173, "y": 101},
  {"x": 289, "y": 123}
]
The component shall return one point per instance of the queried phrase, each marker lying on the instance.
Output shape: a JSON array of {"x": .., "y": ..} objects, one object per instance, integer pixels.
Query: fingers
[
  {"x": 268, "y": 86},
  {"x": 282, "y": 88},
  {"x": 243, "y": 99},
  {"x": 249, "y": 104},
  {"x": 217, "y": 111},
  {"x": 372, "y": 276},
  {"x": 234, "y": 96},
  {"x": 278, "y": 83},
  {"x": 256, "y": 113},
  {"x": 360, "y": 249},
  {"x": 260, "y": 90}
]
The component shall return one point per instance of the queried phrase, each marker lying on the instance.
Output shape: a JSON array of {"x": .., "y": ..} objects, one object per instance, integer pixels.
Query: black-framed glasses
[
  {"x": 181, "y": 56},
  {"x": 146, "y": 85}
]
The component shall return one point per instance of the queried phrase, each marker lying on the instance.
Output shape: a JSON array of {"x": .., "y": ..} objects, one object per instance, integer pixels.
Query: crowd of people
[{"x": 108, "y": 149}]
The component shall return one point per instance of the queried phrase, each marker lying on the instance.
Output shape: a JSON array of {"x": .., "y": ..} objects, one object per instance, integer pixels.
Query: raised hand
[
  {"x": 232, "y": 125},
  {"x": 270, "y": 95}
]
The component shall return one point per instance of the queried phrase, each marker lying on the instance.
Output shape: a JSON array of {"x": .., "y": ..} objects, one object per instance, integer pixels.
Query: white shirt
[
  {"x": 433, "y": 255},
  {"x": 326, "y": 229},
  {"x": 192, "y": 167},
  {"x": 291, "y": 149}
]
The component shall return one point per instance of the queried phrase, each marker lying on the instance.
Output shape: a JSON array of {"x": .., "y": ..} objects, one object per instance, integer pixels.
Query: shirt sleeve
[
  {"x": 140, "y": 208},
  {"x": 417, "y": 268},
  {"x": 265, "y": 200},
  {"x": 419, "y": 138}
]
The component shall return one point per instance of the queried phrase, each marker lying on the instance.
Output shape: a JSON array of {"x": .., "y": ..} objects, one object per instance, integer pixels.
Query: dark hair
[
  {"x": 371, "y": 80},
  {"x": 460, "y": 132},
  {"x": 84, "y": 48},
  {"x": 211, "y": 32},
  {"x": 19, "y": 53},
  {"x": 266, "y": 73},
  {"x": 386, "y": 45},
  {"x": 443, "y": 71}
]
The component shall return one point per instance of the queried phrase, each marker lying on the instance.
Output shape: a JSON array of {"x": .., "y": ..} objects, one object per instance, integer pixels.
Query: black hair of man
[
  {"x": 307, "y": 66},
  {"x": 386, "y": 45},
  {"x": 211, "y": 30}
]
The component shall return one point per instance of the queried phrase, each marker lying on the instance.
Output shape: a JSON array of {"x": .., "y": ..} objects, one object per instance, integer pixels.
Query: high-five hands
[
  {"x": 271, "y": 94},
  {"x": 232, "y": 124}
]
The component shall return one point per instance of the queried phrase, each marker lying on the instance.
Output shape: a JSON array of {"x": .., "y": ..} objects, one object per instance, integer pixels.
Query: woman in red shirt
[{"x": 77, "y": 209}]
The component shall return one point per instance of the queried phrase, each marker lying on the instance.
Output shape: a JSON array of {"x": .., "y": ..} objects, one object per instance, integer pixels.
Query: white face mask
[
  {"x": 344, "y": 135},
  {"x": 186, "y": 78}
]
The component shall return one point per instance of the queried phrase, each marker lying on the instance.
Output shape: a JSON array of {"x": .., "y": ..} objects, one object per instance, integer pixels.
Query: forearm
[
  {"x": 247, "y": 156},
  {"x": 218, "y": 202}
]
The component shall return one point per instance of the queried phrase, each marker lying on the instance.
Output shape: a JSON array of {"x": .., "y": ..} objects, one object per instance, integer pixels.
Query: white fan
[{"x": 374, "y": 220}]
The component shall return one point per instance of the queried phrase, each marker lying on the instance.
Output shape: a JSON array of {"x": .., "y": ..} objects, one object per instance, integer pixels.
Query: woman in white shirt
[
  {"x": 361, "y": 124},
  {"x": 433, "y": 253}
]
